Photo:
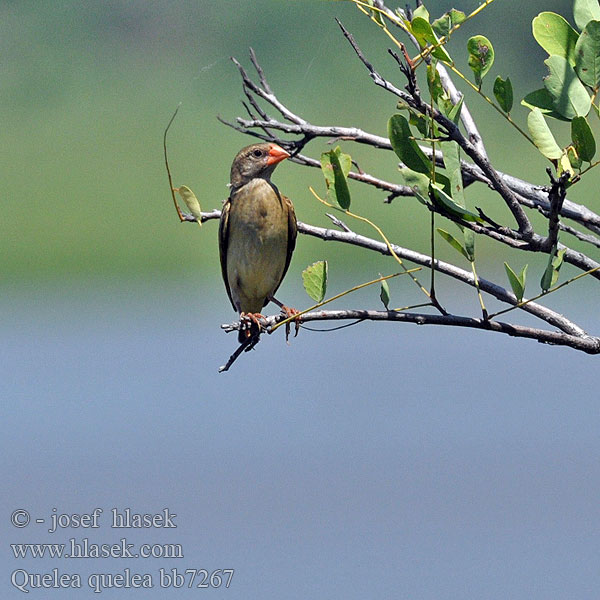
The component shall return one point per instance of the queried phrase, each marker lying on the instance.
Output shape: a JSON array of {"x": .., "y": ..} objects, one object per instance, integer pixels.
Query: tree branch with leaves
[{"x": 442, "y": 157}]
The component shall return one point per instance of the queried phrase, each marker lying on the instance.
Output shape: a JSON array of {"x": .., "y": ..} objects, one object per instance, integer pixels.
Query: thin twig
[{"x": 179, "y": 213}]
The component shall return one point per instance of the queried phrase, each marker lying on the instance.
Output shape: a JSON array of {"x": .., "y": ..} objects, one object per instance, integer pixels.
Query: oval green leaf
[
  {"x": 587, "y": 55},
  {"x": 543, "y": 100},
  {"x": 446, "y": 204},
  {"x": 434, "y": 82},
  {"x": 569, "y": 96},
  {"x": 447, "y": 21},
  {"x": 585, "y": 11},
  {"x": 542, "y": 136},
  {"x": 191, "y": 202},
  {"x": 418, "y": 182},
  {"x": 503, "y": 92},
  {"x": 407, "y": 149},
  {"x": 481, "y": 56},
  {"x": 336, "y": 166},
  {"x": 421, "y": 12},
  {"x": 425, "y": 35},
  {"x": 555, "y": 35},
  {"x": 314, "y": 278},
  {"x": 384, "y": 293},
  {"x": 583, "y": 139}
]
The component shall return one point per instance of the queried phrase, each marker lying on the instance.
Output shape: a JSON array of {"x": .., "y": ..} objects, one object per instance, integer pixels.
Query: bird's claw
[
  {"x": 247, "y": 320},
  {"x": 291, "y": 313}
]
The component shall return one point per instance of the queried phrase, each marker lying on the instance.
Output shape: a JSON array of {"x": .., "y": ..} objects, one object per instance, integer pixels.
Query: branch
[
  {"x": 414, "y": 101},
  {"x": 349, "y": 237},
  {"x": 588, "y": 344},
  {"x": 528, "y": 194},
  {"x": 558, "y": 191}
]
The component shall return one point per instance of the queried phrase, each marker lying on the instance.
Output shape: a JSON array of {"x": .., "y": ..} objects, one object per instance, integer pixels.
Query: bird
[{"x": 257, "y": 235}]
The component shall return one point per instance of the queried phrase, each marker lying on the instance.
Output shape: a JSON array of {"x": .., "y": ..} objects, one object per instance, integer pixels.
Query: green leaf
[
  {"x": 384, "y": 293},
  {"x": 375, "y": 14},
  {"x": 585, "y": 11},
  {"x": 407, "y": 149},
  {"x": 336, "y": 166},
  {"x": 564, "y": 164},
  {"x": 481, "y": 56},
  {"x": 503, "y": 92},
  {"x": 314, "y": 278},
  {"x": 425, "y": 35},
  {"x": 517, "y": 282},
  {"x": 550, "y": 276},
  {"x": 421, "y": 123},
  {"x": 542, "y": 136},
  {"x": 469, "y": 237},
  {"x": 447, "y": 21},
  {"x": 454, "y": 243},
  {"x": 435, "y": 83},
  {"x": 421, "y": 12},
  {"x": 191, "y": 202},
  {"x": 418, "y": 182},
  {"x": 583, "y": 139},
  {"x": 569, "y": 96},
  {"x": 555, "y": 35},
  {"x": 543, "y": 100},
  {"x": 451, "y": 153},
  {"x": 587, "y": 55},
  {"x": 452, "y": 111},
  {"x": 446, "y": 204},
  {"x": 574, "y": 158}
]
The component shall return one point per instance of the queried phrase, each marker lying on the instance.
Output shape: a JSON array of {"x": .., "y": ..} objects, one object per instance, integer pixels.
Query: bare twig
[
  {"x": 245, "y": 346},
  {"x": 179, "y": 213}
]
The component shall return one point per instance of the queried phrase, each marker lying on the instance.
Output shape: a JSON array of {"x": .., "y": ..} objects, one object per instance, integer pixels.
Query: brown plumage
[{"x": 257, "y": 232}]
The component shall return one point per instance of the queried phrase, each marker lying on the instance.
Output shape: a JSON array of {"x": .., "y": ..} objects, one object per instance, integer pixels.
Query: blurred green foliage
[{"x": 88, "y": 87}]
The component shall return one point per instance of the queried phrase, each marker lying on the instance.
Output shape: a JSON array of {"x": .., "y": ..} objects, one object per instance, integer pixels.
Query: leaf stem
[
  {"x": 484, "y": 311},
  {"x": 379, "y": 231},
  {"x": 553, "y": 289},
  {"x": 491, "y": 103},
  {"x": 348, "y": 291}
]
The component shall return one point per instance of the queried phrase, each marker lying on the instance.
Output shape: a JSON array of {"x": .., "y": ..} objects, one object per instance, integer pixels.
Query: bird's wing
[
  {"x": 292, "y": 235},
  {"x": 223, "y": 243}
]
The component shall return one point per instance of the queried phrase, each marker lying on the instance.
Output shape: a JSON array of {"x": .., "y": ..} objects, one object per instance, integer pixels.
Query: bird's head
[{"x": 257, "y": 160}]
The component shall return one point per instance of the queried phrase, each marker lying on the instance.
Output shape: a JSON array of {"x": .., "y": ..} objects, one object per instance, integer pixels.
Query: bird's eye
[{"x": 257, "y": 153}]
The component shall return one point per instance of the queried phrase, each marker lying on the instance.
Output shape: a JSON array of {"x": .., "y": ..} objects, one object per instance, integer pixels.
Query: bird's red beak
[{"x": 276, "y": 154}]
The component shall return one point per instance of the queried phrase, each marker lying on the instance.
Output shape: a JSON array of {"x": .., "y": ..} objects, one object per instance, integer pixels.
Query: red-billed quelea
[{"x": 257, "y": 234}]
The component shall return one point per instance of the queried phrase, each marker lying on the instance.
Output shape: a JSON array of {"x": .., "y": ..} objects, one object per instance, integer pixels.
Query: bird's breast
[
  {"x": 257, "y": 244},
  {"x": 257, "y": 210}
]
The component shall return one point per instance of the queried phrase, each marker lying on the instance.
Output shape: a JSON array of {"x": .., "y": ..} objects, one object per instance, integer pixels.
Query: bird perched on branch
[{"x": 257, "y": 235}]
